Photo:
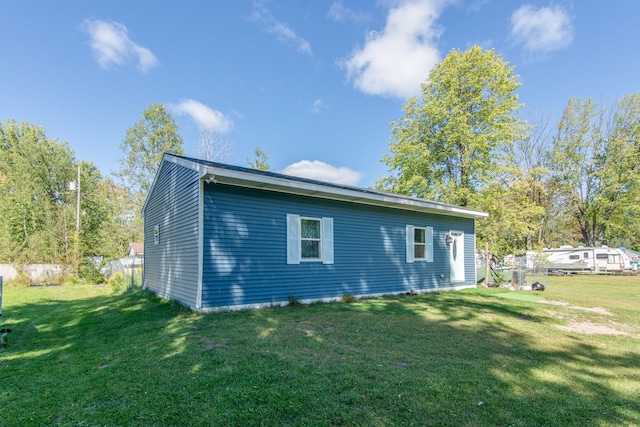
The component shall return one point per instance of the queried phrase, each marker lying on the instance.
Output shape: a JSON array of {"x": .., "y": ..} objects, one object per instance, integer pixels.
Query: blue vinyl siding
[
  {"x": 245, "y": 249},
  {"x": 171, "y": 266}
]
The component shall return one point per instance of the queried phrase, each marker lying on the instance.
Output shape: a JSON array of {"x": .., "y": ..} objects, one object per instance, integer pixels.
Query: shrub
[
  {"x": 118, "y": 283},
  {"x": 348, "y": 298},
  {"x": 91, "y": 273},
  {"x": 294, "y": 301}
]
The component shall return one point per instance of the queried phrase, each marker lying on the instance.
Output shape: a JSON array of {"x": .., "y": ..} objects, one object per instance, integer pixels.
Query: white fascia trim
[{"x": 266, "y": 182}]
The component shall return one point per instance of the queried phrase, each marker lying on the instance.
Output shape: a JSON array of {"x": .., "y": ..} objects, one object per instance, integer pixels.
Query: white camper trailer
[
  {"x": 600, "y": 259},
  {"x": 595, "y": 259}
]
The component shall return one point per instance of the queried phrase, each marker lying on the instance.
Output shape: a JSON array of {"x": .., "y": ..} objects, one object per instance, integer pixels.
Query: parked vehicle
[{"x": 601, "y": 259}]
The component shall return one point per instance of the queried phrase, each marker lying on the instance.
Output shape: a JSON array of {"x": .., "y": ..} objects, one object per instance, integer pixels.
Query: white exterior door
[{"x": 456, "y": 256}]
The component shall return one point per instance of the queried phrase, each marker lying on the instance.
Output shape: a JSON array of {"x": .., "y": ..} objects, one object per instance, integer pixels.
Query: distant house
[
  {"x": 135, "y": 250},
  {"x": 220, "y": 237}
]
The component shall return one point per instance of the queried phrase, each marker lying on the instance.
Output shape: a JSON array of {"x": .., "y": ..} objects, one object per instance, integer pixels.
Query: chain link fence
[
  {"x": 527, "y": 272},
  {"x": 129, "y": 269}
]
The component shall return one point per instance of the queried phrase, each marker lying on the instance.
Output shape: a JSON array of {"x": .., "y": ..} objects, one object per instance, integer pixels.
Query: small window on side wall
[
  {"x": 419, "y": 243},
  {"x": 156, "y": 234}
]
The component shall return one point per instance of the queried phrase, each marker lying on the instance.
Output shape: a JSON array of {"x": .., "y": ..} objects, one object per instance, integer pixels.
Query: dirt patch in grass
[
  {"x": 211, "y": 344},
  {"x": 590, "y": 328},
  {"x": 597, "y": 310},
  {"x": 575, "y": 322}
]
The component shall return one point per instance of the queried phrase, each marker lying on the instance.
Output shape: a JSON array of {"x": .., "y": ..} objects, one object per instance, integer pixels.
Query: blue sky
[{"x": 315, "y": 83}]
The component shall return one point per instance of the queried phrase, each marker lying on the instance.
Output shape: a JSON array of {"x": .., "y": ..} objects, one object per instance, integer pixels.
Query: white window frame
[
  {"x": 294, "y": 240},
  {"x": 417, "y": 244},
  {"x": 410, "y": 243},
  {"x": 156, "y": 234},
  {"x": 311, "y": 239}
]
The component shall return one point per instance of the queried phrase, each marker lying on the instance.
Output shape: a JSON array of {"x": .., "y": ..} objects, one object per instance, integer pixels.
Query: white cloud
[
  {"x": 323, "y": 172},
  {"x": 476, "y": 5},
  {"x": 111, "y": 44},
  {"x": 318, "y": 105},
  {"x": 282, "y": 31},
  {"x": 205, "y": 117},
  {"x": 338, "y": 12},
  {"x": 396, "y": 61},
  {"x": 542, "y": 30}
]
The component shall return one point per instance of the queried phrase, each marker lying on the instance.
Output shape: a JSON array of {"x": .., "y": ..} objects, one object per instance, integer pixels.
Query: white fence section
[
  {"x": 36, "y": 272},
  {"x": 131, "y": 268},
  {"x": 122, "y": 265}
]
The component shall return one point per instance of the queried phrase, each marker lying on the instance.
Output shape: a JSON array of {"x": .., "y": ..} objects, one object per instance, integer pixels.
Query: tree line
[
  {"x": 463, "y": 142},
  {"x": 40, "y": 179}
]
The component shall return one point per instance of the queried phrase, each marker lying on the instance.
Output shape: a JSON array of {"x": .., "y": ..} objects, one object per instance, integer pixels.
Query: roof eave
[
  {"x": 217, "y": 173},
  {"x": 318, "y": 190}
]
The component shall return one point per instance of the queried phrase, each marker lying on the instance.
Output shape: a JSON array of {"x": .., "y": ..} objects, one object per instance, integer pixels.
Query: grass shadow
[{"x": 464, "y": 358}]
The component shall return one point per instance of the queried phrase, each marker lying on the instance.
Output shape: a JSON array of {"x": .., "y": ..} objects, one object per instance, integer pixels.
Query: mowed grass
[{"x": 81, "y": 356}]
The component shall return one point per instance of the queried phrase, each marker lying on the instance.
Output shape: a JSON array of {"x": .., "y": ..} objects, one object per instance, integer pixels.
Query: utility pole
[
  {"x": 77, "y": 239},
  {"x": 78, "y": 204}
]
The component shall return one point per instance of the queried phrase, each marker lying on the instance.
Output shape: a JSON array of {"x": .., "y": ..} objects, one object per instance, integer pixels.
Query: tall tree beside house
[
  {"x": 38, "y": 206},
  {"x": 517, "y": 199},
  {"x": 35, "y": 203},
  {"x": 449, "y": 144},
  {"x": 144, "y": 144},
  {"x": 514, "y": 216},
  {"x": 595, "y": 166},
  {"x": 123, "y": 227},
  {"x": 106, "y": 228}
]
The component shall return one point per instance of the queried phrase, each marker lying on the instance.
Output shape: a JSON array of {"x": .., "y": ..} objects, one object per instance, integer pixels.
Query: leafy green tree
[
  {"x": 145, "y": 143},
  {"x": 106, "y": 227},
  {"x": 38, "y": 206},
  {"x": 261, "y": 161},
  {"x": 624, "y": 228},
  {"x": 123, "y": 227},
  {"x": 514, "y": 217},
  {"x": 35, "y": 203},
  {"x": 523, "y": 194},
  {"x": 594, "y": 164},
  {"x": 449, "y": 145}
]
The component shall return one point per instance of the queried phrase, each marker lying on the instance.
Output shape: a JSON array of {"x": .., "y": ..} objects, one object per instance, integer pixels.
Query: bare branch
[{"x": 213, "y": 146}]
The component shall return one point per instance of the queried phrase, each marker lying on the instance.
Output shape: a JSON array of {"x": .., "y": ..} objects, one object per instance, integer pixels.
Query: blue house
[{"x": 220, "y": 237}]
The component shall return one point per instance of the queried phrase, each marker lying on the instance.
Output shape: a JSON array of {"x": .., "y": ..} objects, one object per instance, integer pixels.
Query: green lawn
[{"x": 82, "y": 356}]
